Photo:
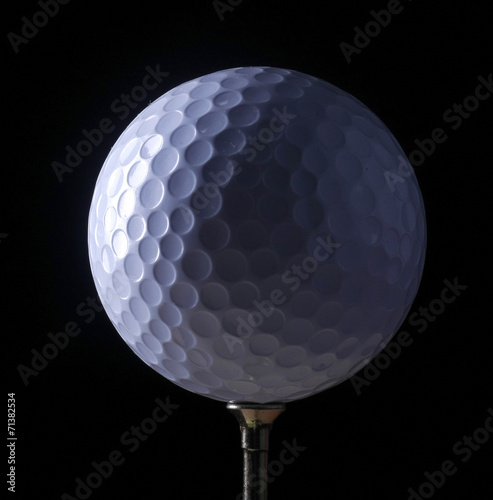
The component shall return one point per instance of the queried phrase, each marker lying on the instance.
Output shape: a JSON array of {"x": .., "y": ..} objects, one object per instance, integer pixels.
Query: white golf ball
[{"x": 256, "y": 235}]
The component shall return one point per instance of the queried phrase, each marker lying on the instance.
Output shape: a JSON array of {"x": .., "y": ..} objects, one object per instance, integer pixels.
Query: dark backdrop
[{"x": 376, "y": 440}]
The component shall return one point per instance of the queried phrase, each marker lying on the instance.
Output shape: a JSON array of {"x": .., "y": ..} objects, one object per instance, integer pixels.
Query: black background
[{"x": 75, "y": 411}]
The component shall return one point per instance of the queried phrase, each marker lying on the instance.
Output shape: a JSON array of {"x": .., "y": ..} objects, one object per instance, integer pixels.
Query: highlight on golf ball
[{"x": 257, "y": 235}]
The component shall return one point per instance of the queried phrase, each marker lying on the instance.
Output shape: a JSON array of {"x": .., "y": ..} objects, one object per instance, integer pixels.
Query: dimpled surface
[{"x": 256, "y": 234}]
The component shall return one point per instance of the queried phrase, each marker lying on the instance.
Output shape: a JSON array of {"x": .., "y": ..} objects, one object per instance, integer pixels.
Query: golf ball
[{"x": 256, "y": 235}]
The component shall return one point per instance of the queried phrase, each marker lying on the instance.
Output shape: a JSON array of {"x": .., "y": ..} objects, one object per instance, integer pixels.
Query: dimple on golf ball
[{"x": 256, "y": 235}]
